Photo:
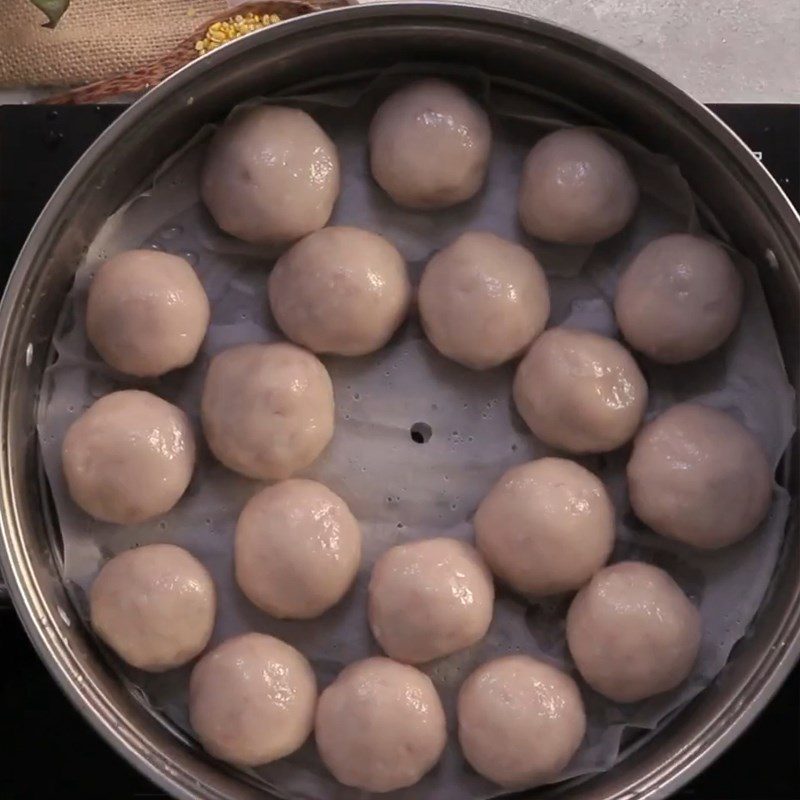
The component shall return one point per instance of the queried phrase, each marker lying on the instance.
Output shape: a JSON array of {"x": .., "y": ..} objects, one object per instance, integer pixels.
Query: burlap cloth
[{"x": 95, "y": 39}]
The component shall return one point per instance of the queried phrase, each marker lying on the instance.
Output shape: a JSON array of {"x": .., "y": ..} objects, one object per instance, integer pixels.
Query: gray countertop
[
  {"x": 745, "y": 51},
  {"x": 717, "y": 50}
]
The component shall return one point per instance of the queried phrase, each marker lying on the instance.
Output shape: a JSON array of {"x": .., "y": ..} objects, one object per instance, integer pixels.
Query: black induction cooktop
[{"x": 48, "y": 751}]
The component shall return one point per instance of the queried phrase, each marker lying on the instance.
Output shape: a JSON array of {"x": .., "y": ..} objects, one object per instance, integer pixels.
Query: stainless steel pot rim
[{"x": 38, "y": 617}]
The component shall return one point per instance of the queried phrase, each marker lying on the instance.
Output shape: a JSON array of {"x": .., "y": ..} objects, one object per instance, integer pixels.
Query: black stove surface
[{"x": 50, "y": 752}]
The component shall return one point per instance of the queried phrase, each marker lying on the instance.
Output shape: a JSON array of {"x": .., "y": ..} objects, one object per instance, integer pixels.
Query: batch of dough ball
[{"x": 546, "y": 527}]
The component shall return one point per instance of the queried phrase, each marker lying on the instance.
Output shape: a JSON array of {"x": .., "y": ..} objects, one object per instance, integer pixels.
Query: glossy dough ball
[
  {"x": 579, "y": 391},
  {"x": 129, "y": 457},
  {"x": 154, "y": 606},
  {"x": 520, "y": 721},
  {"x": 576, "y": 189},
  {"x": 429, "y": 598},
  {"x": 147, "y": 313},
  {"x": 267, "y": 409},
  {"x": 429, "y": 145},
  {"x": 680, "y": 298},
  {"x": 632, "y": 632},
  {"x": 271, "y": 175},
  {"x": 546, "y": 526},
  {"x": 380, "y": 725},
  {"x": 483, "y": 300},
  {"x": 698, "y": 476},
  {"x": 297, "y": 549},
  {"x": 340, "y": 290},
  {"x": 252, "y": 700}
]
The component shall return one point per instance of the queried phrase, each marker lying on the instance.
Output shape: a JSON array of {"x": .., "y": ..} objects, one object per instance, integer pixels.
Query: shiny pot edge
[{"x": 44, "y": 621}]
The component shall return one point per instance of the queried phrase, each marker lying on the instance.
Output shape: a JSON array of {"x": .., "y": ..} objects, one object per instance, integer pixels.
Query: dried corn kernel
[{"x": 220, "y": 33}]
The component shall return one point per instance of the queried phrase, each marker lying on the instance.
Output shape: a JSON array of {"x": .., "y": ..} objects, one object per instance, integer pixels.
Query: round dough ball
[
  {"x": 698, "y": 476},
  {"x": 579, "y": 391},
  {"x": 271, "y": 175},
  {"x": 680, "y": 299},
  {"x": 429, "y": 598},
  {"x": 252, "y": 700},
  {"x": 380, "y": 725},
  {"x": 154, "y": 606},
  {"x": 267, "y": 409},
  {"x": 147, "y": 313},
  {"x": 546, "y": 526},
  {"x": 297, "y": 549},
  {"x": 129, "y": 457},
  {"x": 429, "y": 145},
  {"x": 632, "y": 632},
  {"x": 576, "y": 189},
  {"x": 483, "y": 300},
  {"x": 340, "y": 290},
  {"x": 520, "y": 721}
]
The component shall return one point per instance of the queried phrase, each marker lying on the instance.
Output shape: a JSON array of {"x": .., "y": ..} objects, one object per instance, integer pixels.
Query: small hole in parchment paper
[{"x": 421, "y": 432}]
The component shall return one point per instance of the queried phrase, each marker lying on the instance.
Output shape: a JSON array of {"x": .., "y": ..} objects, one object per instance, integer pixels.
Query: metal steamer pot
[{"x": 731, "y": 186}]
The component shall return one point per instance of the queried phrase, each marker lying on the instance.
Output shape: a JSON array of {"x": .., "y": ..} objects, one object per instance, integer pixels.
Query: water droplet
[
  {"x": 171, "y": 232},
  {"x": 191, "y": 257},
  {"x": 356, "y": 396},
  {"x": 154, "y": 246},
  {"x": 772, "y": 259},
  {"x": 53, "y": 138},
  {"x": 99, "y": 385}
]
